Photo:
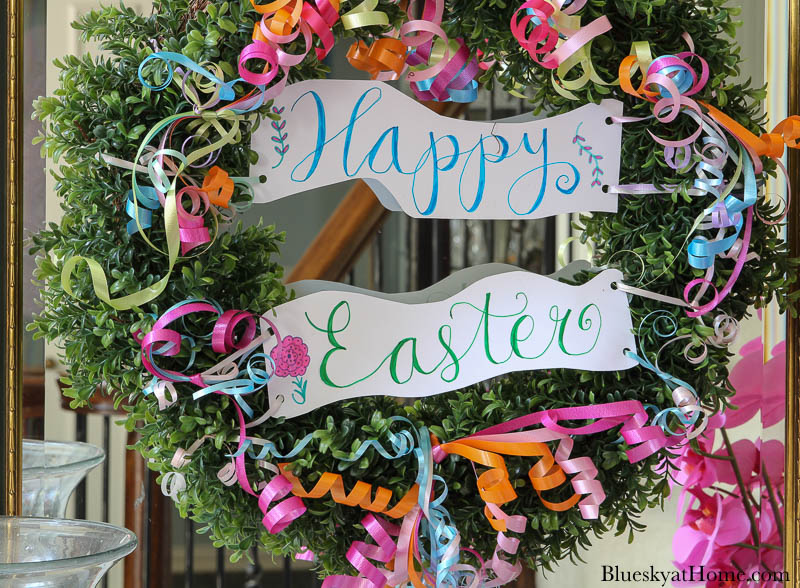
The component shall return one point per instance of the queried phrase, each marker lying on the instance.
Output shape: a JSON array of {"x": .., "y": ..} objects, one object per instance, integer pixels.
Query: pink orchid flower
[
  {"x": 715, "y": 522},
  {"x": 758, "y": 385},
  {"x": 747, "y": 456}
]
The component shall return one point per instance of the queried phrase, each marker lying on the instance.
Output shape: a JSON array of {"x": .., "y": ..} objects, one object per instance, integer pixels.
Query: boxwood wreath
[{"x": 102, "y": 109}]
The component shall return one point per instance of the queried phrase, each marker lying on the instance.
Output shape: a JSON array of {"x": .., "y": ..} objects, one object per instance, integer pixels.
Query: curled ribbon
[
  {"x": 360, "y": 496},
  {"x": 441, "y": 69},
  {"x": 687, "y": 407},
  {"x": 668, "y": 82},
  {"x": 558, "y": 42}
]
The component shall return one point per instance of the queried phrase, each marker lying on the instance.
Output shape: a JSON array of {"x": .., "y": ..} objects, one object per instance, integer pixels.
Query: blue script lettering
[{"x": 442, "y": 155}]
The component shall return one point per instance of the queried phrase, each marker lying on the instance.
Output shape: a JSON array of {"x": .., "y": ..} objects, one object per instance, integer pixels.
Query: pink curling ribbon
[
  {"x": 504, "y": 571},
  {"x": 438, "y": 75},
  {"x": 278, "y": 27},
  {"x": 167, "y": 342},
  {"x": 265, "y": 52},
  {"x": 277, "y": 518},
  {"x": 543, "y": 43},
  {"x": 400, "y": 554},
  {"x": 359, "y": 554},
  {"x": 668, "y": 82},
  {"x": 737, "y": 269},
  {"x": 630, "y": 414},
  {"x": 223, "y": 339},
  {"x": 635, "y": 431},
  {"x": 305, "y": 554},
  {"x": 192, "y": 229}
]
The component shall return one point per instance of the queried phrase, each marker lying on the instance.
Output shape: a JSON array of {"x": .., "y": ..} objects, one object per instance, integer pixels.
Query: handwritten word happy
[{"x": 433, "y": 166}]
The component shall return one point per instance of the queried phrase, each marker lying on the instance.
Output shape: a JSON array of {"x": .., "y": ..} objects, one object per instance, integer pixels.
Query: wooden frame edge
[
  {"x": 792, "y": 527},
  {"x": 11, "y": 394}
]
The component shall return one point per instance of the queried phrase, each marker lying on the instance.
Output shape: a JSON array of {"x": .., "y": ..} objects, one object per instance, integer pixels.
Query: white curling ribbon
[
  {"x": 726, "y": 330},
  {"x": 160, "y": 390},
  {"x": 227, "y": 474},
  {"x": 686, "y": 401},
  {"x": 172, "y": 484}
]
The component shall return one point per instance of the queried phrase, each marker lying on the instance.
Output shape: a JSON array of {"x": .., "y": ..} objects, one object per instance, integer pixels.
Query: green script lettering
[{"x": 449, "y": 366}]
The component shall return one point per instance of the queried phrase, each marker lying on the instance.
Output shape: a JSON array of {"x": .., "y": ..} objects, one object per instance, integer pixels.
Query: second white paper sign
[
  {"x": 433, "y": 166},
  {"x": 335, "y": 345}
]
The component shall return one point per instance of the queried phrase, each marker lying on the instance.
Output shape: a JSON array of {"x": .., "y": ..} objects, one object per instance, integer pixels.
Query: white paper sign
[
  {"x": 333, "y": 345},
  {"x": 434, "y": 166}
]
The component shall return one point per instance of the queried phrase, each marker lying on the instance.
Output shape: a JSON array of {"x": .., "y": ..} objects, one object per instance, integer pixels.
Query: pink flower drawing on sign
[{"x": 291, "y": 360}]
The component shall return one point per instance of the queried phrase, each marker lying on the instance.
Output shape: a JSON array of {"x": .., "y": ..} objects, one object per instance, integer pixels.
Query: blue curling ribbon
[
  {"x": 402, "y": 444},
  {"x": 437, "y": 525},
  {"x": 269, "y": 449},
  {"x": 251, "y": 379},
  {"x": 147, "y": 201},
  {"x": 464, "y": 95},
  {"x": 660, "y": 419},
  {"x": 680, "y": 75},
  {"x": 178, "y": 377},
  {"x": 234, "y": 388},
  {"x": 701, "y": 251},
  {"x": 226, "y": 91}
]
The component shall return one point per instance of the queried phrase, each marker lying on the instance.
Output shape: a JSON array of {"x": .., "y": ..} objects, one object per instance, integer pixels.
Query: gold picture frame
[
  {"x": 791, "y": 543},
  {"x": 10, "y": 293},
  {"x": 11, "y": 207}
]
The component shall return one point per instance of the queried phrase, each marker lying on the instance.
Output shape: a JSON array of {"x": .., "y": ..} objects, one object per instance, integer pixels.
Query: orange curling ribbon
[
  {"x": 281, "y": 18},
  {"x": 218, "y": 186},
  {"x": 360, "y": 495},
  {"x": 494, "y": 485},
  {"x": 785, "y": 134},
  {"x": 285, "y": 19},
  {"x": 626, "y": 70},
  {"x": 269, "y": 8},
  {"x": 384, "y": 55}
]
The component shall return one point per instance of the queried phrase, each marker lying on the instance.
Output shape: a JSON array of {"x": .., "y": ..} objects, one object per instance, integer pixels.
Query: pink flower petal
[
  {"x": 774, "y": 386},
  {"x": 688, "y": 546},
  {"x": 745, "y": 453},
  {"x": 773, "y": 457},
  {"x": 734, "y": 526}
]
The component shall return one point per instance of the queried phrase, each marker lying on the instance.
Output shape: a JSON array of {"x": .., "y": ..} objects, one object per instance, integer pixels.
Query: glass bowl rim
[
  {"x": 88, "y": 462},
  {"x": 82, "y": 561}
]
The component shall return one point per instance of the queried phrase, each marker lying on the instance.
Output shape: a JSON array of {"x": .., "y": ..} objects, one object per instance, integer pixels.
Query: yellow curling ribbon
[
  {"x": 197, "y": 83},
  {"x": 581, "y": 57},
  {"x": 562, "y": 249},
  {"x": 364, "y": 15}
]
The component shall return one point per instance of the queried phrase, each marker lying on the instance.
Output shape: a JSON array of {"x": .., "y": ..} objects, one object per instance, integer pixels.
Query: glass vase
[
  {"x": 50, "y": 472},
  {"x": 57, "y": 553}
]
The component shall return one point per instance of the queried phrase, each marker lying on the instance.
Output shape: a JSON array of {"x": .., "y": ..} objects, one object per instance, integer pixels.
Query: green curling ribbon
[
  {"x": 582, "y": 57},
  {"x": 203, "y": 124},
  {"x": 364, "y": 15}
]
